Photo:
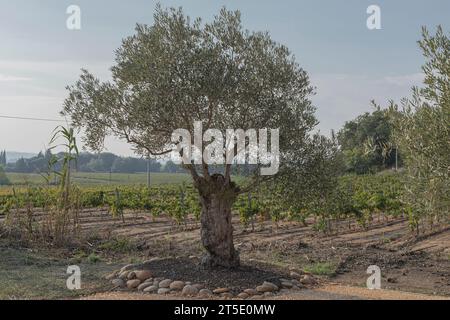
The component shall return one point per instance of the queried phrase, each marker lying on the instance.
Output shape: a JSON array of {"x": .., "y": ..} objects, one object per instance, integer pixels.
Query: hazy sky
[{"x": 348, "y": 63}]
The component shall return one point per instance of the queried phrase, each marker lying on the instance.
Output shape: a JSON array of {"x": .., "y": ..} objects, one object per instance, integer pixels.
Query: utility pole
[{"x": 148, "y": 172}]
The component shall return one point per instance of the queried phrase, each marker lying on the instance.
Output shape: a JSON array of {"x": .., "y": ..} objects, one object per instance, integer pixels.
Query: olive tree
[
  {"x": 422, "y": 131},
  {"x": 177, "y": 71}
]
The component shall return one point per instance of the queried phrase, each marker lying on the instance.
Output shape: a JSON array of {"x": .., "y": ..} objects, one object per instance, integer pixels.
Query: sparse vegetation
[{"x": 321, "y": 268}]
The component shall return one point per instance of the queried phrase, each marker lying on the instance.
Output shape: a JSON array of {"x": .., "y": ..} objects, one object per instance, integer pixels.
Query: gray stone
[
  {"x": 177, "y": 285},
  {"x": 163, "y": 290},
  {"x": 295, "y": 282},
  {"x": 189, "y": 291},
  {"x": 165, "y": 283},
  {"x": 143, "y": 274},
  {"x": 132, "y": 284},
  {"x": 151, "y": 289},
  {"x": 119, "y": 283},
  {"x": 144, "y": 285},
  {"x": 267, "y": 287}
]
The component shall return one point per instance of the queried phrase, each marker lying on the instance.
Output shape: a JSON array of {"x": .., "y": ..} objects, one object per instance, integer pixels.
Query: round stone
[
  {"x": 163, "y": 290},
  {"x": 165, "y": 283},
  {"x": 267, "y": 287},
  {"x": 143, "y": 275},
  {"x": 118, "y": 283},
  {"x": 189, "y": 290},
  {"x": 132, "y": 284},
  {"x": 177, "y": 285},
  {"x": 144, "y": 285},
  {"x": 151, "y": 289}
]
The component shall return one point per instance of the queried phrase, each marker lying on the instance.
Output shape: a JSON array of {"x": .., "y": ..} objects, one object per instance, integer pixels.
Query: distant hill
[{"x": 13, "y": 156}]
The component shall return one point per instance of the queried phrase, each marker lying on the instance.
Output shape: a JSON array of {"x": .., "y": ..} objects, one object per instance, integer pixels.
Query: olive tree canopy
[{"x": 177, "y": 71}]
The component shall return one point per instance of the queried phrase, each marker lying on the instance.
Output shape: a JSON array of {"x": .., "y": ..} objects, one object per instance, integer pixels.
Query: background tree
[
  {"x": 367, "y": 143},
  {"x": 178, "y": 71},
  {"x": 171, "y": 167},
  {"x": 3, "y": 158}
]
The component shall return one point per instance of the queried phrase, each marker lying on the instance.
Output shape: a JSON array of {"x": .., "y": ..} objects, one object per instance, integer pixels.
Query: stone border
[{"x": 137, "y": 277}]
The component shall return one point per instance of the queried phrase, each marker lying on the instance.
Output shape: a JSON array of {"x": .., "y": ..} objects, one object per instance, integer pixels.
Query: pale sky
[{"x": 348, "y": 63}]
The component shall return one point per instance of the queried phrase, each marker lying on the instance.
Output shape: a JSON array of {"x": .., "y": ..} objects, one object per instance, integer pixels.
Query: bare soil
[{"x": 420, "y": 266}]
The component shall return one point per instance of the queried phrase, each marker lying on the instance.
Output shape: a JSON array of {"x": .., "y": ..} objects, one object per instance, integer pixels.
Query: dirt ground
[
  {"x": 421, "y": 266},
  {"x": 411, "y": 268},
  {"x": 326, "y": 292}
]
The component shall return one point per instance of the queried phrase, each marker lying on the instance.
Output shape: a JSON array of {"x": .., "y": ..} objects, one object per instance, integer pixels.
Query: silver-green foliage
[{"x": 422, "y": 130}]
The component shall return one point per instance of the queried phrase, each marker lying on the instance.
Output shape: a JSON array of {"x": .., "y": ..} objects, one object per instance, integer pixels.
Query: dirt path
[
  {"x": 340, "y": 292},
  {"x": 327, "y": 292}
]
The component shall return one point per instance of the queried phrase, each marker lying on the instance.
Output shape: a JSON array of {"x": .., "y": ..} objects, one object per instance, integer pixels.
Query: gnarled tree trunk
[{"x": 217, "y": 198}]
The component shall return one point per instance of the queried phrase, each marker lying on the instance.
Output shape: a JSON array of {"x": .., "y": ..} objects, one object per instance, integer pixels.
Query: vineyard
[
  {"x": 364, "y": 199},
  {"x": 128, "y": 223}
]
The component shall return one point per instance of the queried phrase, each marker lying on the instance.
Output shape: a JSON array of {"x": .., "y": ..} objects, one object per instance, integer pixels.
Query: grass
[
  {"x": 93, "y": 258},
  {"x": 27, "y": 274},
  {"x": 321, "y": 268}
]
